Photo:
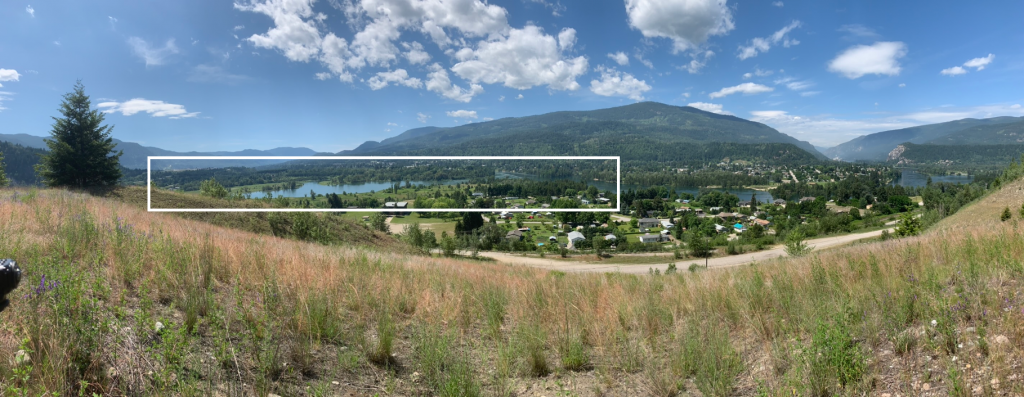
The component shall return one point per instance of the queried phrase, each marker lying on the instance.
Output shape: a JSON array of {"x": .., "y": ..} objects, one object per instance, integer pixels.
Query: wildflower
[{"x": 934, "y": 323}]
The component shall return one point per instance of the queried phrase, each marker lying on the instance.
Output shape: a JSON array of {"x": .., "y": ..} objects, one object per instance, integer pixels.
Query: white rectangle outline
[{"x": 149, "y": 183}]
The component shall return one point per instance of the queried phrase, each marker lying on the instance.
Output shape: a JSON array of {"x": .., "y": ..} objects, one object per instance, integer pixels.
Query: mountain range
[
  {"x": 641, "y": 131},
  {"x": 876, "y": 147},
  {"x": 135, "y": 154}
]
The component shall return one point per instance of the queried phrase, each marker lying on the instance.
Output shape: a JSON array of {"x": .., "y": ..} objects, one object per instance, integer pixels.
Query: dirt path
[
  {"x": 714, "y": 263},
  {"x": 395, "y": 228}
]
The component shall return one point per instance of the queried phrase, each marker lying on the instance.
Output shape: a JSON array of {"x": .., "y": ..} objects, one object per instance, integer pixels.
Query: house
[
  {"x": 720, "y": 228},
  {"x": 666, "y": 224},
  {"x": 744, "y": 204},
  {"x": 585, "y": 201},
  {"x": 762, "y": 222},
  {"x": 611, "y": 237},
  {"x": 647, "y": 223},
  {"x": 478, "y": 194},
  {"x": 395, "y": 208},
  {"x": 779, "y": 202},
  {"x": 531, "y": 202},
  {"x": 726, "y": 215},
  {"x": 574, "y": 238},
  {"x": 511, "y": 198},
  {"x": 514, "y": 235},
  {"x": 545, "y": 206},
  {"x": 653, "y": 238},
  {"x": 715, "y": 209},
  {"x": 603, "y": 200},
  {"x": 552, "y": 238},
  {"x": 806, "y": 200},
  {"x": 739, "y": 227},
  {"x": 700, "y": 213}
]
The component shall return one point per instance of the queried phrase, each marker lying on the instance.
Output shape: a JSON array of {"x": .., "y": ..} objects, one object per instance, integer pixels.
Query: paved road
[{"x": 714, "y": 263}]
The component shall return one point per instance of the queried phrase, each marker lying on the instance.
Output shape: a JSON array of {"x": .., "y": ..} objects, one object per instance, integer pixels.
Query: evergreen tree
[
  {"x": 1006, "y": 215},
  {"x": 80, "y": 146},
  {"x": 3, "y": 174},
  {"x": 213, "y": 189},
  {"x": 699, "y": 247}
]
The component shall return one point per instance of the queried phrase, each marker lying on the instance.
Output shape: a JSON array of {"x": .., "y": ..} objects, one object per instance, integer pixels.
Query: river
[{"x": 909, "y": 177}]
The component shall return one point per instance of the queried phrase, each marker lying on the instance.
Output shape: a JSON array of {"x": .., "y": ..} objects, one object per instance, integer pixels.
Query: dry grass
[{"x": 275, "y": 315}]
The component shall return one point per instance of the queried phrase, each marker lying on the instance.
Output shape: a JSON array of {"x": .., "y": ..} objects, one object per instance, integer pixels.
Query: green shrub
[
  {"x": 708, "y": 356},
  {"x": 833, "y": 357}
]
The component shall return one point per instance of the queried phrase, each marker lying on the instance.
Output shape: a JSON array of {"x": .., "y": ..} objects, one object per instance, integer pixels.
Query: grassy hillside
[
  {"x": 608, "y": 128},
  {"x": 961, "y": 156},
  {"x": 242, "y": 313}
]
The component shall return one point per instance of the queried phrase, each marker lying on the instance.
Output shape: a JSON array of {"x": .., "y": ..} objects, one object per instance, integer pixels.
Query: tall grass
[{"x": 257, "y": 314}]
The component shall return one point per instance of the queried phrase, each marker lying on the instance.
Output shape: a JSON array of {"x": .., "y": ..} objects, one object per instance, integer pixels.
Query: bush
[
  {"x": 1006, "y": 215},
  {"x": 833, "y": 357}
]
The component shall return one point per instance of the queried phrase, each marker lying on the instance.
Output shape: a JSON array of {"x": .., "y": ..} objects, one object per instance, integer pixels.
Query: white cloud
[
  {"x": 763, "y": 44},
  {"x": 556, "y": 7},
  {"x": 462, "y": 114},
  {"x": 153, "y": 56},
  {"x": 113, "y": 22},
  {"x": 696, "y": 64},
  {"x": 745, "y": 88},
  {"x": 777, "y": 3},
  {"x": 759, "y": 73},
  {"x": 615, "y": 83},
  {"x": 415, "y": 53},
  {"x": 809, "y": 93},
  {"x": 903, "y": 85},
  {"x": 1015, "y": 106},
  {"x": 9, "y": 75},
  {"x": 709, "y": 107},
  {"x": 980, "y": 63},
  {"x": 879, "y": 58},
  {"x": 953, "y": 71},
  {"x": 524, "y": 59},
  {"x": 392, "y": 124},
  {"x": 31, "y": 11},
  {"x": 799, "y": 85},
  {"x": 322, "y": 76},
  {"x": 747, "y": 75},
  {"x": 141, "y": 105},
  {"x": 4, "y": 96},
  {"x": 645, "y": 62},
  {"x": 688, "y": 23},
  {"x": 520, "y": 96},
  {"x": 398, "y": 76},
  {"x": 439, "y": 82},
  {"x": 976, "y": 63},
  {"x": 620, "y": 58},
  {"x": 214, "y": 74},
  {"x": 422, "y": 117}
]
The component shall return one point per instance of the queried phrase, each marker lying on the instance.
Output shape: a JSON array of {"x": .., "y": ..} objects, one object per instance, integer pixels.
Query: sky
[{"x": 208, "y": 75}]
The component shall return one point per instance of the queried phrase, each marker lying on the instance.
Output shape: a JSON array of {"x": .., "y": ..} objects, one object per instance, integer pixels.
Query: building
[
  {"x": 666, "y": 224},
  {"x": 762, "y": 222},
  {"x": 611, "y": 237},
  {"x": 779, "y": 202},
  {"x": 514, "y": 235},
  {"x": 478, "y": 194},
  {"x": 396, "y": 208},
  {"x": 531, "y": 202},
  {"x": 739, "y": 227},
  {"x": 647, "y": 223},
  {"x": 720, "y": 228},
  {"x": 806, "y": 200},
  {"x": 585, "y": 202},
  {"x": 545, "y": 206},
  {"x": 654, "y": 238},
  {"x": 726, "y": 215},
  {"x": 744, "y": 204},
  {"x": 574, "y": 238}
]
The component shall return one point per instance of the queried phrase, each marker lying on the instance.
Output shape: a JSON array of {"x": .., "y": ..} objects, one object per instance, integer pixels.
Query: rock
[
  {"x": 1001, "y": 340},
  {"x": 926, "y": 387},
  {"x": 21, "y": 357},
  {"x": 158, "y": 327},
  {"x": 335, "y": 383}
]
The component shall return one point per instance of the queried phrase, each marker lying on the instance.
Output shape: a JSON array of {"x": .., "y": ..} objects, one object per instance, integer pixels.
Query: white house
[
  {"x": 575, "y": 237},
  {"x": 653, "y": 238},
  {"x": 666, "y": 224}
]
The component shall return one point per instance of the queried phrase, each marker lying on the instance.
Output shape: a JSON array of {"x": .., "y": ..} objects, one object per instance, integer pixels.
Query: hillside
[
  {"x": 20, "y": 161},
  {"x": 139, "y": 303},
  {"x": 956, "y": 157},
  {"x": 993, "y": 134},
  {"x": 876, "y": 147},
  {"x": 637, "y": 132},
  {"x": 134, "y": 156}
]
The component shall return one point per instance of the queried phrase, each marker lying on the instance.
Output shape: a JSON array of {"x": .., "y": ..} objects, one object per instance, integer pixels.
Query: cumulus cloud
[
  {"x": 643, "y": 61},
  {"x": 700, "y": 59},
  {"x": 763, "y": 44},
  {"x": 9, "y": 75},
  {"x": 953, "y": 71},
  {"x": 141, "y": 105},
  {"x": 398, "y": 76},
  {"x": 439, "y": 82},
  {"x": 322, "y": 76},
  {"x": 520, "y": 96},
  {"x": 615, "y": 83},
  {"x": 759, "y": 73},
  {"x": 415, "y": 53},
  {"x": 859, "y": 32},
  {"x": 903, "y": 85},
  {"x": 976, "y": 63},
  {"x": 708, "y": 107},
  {"x": 462, "y": 114},
  {"x": 620, "y": 58},
  {"x": 745, "y": 88},
  {"x": 422, "y": 117},
  {"x": 474, "y": 32},
  {"x": 525, "y": 59},
  {"x": 153, "y": 56},
  {"x": 688, "y": 23},
  {"x": 31, "y": 11},
  {"x": 879, "y": 58},
  {"x": 777, "y": 3}
]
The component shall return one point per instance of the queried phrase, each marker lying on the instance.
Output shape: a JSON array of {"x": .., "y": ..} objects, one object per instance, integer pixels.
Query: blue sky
[{"x": 330, "y": 74}]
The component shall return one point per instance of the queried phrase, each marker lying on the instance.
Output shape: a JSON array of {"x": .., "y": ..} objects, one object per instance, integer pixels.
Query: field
[{"x": 118, "y": 301}]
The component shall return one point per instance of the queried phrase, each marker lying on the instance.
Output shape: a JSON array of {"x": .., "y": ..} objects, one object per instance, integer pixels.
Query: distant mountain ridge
[
  {"x": 135, "y": 154},
  {"x": 876, "y": 147},
  {"x": 646, "y": 124},
  {"x": 991, "y": 134}
]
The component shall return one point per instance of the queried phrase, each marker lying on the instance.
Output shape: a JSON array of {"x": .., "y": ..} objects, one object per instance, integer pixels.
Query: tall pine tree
[
  {"x": 3, "y": 173},
  {"x": 80, "y": 146}
]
